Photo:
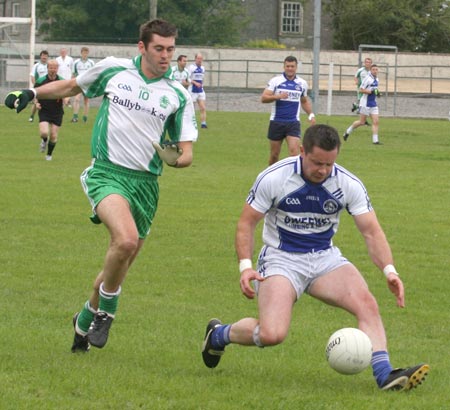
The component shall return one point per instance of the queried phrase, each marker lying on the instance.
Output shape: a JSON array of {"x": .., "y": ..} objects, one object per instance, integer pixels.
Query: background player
[
  {"x": 81, "y": 65},
  {"x": 289, "y": 92},
  {"x": 50, "y": 112},
  {"x": 180, "y": 72},
  {"x": 197, "y": 81},
  {"x": 39, "y": 70},
  {"x": 368, "y": 105}
]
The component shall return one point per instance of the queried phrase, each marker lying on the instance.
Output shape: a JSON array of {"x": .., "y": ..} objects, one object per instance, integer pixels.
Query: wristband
[
  {"x": 244, "y": 264},
  {"x": 311, "y": 116},
  {"x": 389, "y": 269}
]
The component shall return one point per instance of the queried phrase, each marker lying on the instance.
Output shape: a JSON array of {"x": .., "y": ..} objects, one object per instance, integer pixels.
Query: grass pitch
[{"x": 187, "y": 273}]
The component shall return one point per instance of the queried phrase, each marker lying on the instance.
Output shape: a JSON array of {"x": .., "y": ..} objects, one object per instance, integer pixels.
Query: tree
[
  {"x": 411, "y": 25},
  {"x": 199, "y": 22}
]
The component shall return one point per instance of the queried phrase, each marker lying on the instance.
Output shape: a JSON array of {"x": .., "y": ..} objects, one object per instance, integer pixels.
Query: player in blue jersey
[
  {"x": 197, "y": 81},
  {"x": 300, "y": 199},
  {"x": 289, "y": 92},
  {"x": 368, "y": 105}
]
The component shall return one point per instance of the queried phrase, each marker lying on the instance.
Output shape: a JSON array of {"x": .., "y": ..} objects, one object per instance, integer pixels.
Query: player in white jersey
[
  {"x": 360, "y": 75},
  {"x": 288, "y": 92},
  {"x": 197, "y": 82},
  {"x": 368, "y": 105},
  {"x": 79, "y": 67},
  {"x": 180, "y": 72},
  {"x": 141, "y": 102},
  {"x": 65, "y": 70},
  {"x": 39, "y": 70},
  {"x": 301, "y": 199}
]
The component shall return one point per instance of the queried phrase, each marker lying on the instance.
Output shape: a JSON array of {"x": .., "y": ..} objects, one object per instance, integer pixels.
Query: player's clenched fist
[{"x": 19, "y": 99}]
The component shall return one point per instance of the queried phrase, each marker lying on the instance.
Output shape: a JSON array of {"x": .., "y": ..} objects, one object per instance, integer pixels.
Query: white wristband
[
  {"x": 389, "y": 269},
  {"x": 244, "y": 264},
  {"x": 311, "y": 116}
]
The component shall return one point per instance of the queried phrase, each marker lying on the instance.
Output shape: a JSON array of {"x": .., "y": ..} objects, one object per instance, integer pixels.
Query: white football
[{"x": 349, "y": 351}]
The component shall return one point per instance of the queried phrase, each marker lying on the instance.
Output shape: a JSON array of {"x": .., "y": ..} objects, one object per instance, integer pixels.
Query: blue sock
[
  {"x": 381, "y": 366},
  {"x": 221, "y": 337}
]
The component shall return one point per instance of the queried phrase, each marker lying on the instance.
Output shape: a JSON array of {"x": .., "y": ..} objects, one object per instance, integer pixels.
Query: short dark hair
[
  {"x": 160, "y": 27},
  {"x": 43, "y": 52},
  {"x": 291, "y": 59},
  {"x": 322, "y": 136},
  {"x": 180, "y": 57}
]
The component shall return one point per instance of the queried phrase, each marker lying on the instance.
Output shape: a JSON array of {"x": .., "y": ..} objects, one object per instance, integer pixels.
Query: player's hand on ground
[
  {"x": 247, "y": 276},
  {"x": 19, "y": 99},
  {"x": 395, "y": 285},
  {"x": 168, "y": 151}
]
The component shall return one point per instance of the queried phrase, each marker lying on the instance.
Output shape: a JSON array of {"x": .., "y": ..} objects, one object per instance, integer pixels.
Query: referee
[{"x": 50, "y": 112}]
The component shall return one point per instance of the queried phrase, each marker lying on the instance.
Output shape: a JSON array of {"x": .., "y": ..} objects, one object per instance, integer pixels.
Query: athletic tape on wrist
[
  {"x": 389, "y": 269},
  {"x": 244, "y": 264},
  {"x": 311, "y": 116}
]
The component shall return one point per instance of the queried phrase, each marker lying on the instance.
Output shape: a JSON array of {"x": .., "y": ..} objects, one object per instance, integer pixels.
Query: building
[{"x": 288, "y": 22}]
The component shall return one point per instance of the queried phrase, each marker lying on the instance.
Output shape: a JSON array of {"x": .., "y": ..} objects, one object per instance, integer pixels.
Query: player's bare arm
[
  {"x": 268, "y": 96},
  {"x": 58, "y": 89},
  {"x": 380, "y": 252},
  {"x": 244, "y": 244}
]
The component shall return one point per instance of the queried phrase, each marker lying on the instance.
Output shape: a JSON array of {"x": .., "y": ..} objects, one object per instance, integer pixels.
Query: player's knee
[{"x": 272, "y": 336}]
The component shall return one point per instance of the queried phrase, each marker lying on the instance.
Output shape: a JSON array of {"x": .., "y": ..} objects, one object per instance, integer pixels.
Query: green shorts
[{"x": 140, "y": 189}]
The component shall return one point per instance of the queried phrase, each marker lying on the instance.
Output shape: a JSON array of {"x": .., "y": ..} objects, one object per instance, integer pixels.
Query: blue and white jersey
[
  {"x": 369, "y": 100},
  {"x": 301, "y": 216},
  {"x": 287, "y": 110},
  {"x": 196, "y": 73}
]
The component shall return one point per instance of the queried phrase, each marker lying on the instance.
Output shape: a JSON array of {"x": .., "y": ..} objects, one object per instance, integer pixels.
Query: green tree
[
  {"x": 199, "y": 22},
  {"x": 93, "y": 21},
  {"x": 211, "y": 22},
  {"x": 411, "y": 25}
]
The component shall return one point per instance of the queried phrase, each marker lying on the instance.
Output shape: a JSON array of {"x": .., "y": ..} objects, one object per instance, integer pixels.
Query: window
[
  {"x": 15, "y": 7},
  {"x": 291, "y": 17}
]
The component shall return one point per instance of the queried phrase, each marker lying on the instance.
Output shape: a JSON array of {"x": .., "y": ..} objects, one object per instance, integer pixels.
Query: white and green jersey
[
  {"x": 39, "y": 70},
  {"x": 80, "y": 66},
  {"x": 136, "y": 111},
  {"x": 360, "y": 75},
  {"x": 180, "y": 75}
]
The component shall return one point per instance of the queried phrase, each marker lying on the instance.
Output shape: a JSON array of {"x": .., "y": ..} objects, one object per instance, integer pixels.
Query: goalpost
[{"x": 9, "y": 21}]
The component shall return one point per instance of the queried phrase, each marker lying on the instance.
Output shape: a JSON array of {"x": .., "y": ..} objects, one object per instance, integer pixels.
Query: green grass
[{"x": 187, "y": 273}]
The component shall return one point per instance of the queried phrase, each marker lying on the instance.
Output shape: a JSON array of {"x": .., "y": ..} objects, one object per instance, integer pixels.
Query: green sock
[
  {"x": 75, "y": 115},
  {"x": 109, "y": 301},
  {"x": 85, "y": 318}
]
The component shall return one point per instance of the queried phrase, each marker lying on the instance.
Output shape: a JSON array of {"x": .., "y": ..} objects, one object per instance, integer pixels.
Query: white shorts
[
  {"x": 302, "y": 269},
  {"x": 198, "y": 96},
  {"x": 368, "y": 110}
]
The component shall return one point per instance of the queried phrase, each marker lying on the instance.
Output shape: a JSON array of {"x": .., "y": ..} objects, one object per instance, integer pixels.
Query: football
[{"x": 349, "y": 351}]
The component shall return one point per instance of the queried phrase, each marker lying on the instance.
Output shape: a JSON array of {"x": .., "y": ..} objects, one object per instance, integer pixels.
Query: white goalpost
[{"x": 9, "y": 21}]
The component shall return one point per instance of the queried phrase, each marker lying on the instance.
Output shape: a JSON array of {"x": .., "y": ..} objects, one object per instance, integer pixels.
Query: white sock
[
  {"x": 349, "y": 130},
  {"x": 375, "y": 138}
]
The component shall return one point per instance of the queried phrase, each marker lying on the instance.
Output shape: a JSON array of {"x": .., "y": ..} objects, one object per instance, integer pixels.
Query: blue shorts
[{"x": 279, "y": 130}]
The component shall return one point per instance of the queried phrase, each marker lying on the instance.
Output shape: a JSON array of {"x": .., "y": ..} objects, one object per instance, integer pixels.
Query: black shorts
[
  {"x": 52, "y": 118},
  {"x": 279, "y": 130}
]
